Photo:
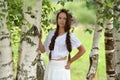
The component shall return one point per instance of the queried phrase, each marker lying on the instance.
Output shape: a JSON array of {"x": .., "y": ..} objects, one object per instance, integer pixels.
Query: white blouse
[{"x": 60, "y": 49}]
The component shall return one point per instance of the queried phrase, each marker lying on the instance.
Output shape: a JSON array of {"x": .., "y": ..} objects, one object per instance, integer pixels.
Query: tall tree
[
  {"x": 109, "y": 41},
  {"x": 96, "y": 42},
  {"x": 6, "y": 61},
  {"x": 116, "y": 36},
  {"x": 109, "y": 50},
  {"x": 30, "y": 63}
]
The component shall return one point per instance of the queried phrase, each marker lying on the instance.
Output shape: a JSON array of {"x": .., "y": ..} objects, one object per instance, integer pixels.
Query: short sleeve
[
  {"x": 75, "y": 41},
  {"x": 47, "y": 41},
  {"x": 46, "y": 44}
]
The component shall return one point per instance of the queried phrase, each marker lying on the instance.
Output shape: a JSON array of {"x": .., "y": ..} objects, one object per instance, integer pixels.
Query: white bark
[
  {"x": 6, "y": 61},
  {"x": 116, "y": 36},
  {"x": 29, "y": 54},
  {"x": 95, "y": 46},
  {"x": 94, "y": 52},
  {"x": 96, "y": 41},
  {"x": 109, "y": 49}
]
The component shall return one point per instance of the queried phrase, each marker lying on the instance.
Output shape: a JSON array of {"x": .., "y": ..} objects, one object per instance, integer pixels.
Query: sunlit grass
[{"x": 80, "y": 67}]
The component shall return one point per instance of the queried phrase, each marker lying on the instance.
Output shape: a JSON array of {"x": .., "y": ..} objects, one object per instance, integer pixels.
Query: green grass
[{"x": 80, "y": 67}]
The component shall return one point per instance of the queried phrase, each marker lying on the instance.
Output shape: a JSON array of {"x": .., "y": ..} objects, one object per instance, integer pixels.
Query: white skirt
[{"x": 55, "y": 70}]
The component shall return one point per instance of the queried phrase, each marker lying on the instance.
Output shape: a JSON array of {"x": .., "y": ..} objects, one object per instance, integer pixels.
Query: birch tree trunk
[
  {"x": 109, "y": 49},
  {"x": 116, "y": 36},
  {"x": 95, "y": 46},
  {"x": 30, "y": 63},
  {"x": 6, "y": 61}
]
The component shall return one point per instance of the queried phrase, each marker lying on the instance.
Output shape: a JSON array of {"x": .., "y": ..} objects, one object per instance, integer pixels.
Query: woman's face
[{"x": 62, "y": 19}]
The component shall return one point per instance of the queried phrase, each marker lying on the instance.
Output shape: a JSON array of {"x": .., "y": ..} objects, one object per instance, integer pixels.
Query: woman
[{"x": 58, "y": 45}]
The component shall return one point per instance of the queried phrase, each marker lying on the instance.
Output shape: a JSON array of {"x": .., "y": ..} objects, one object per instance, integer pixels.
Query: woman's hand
[
  {"x": 67, "y": 65},
  {"x": 91, "y": 77},
  {"x": 40, "y": 35},
  {"x": 41, "y": 47}
]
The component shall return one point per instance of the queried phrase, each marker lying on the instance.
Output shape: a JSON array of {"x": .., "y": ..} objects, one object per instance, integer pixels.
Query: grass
[{"x": 80, "y": 67}]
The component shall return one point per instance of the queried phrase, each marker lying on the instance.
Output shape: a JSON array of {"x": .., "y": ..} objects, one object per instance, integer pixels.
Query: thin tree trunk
[
  {"x": 6, "y": 61},
  {"x": 109, "y": 49},
  {"x": 95, "y": 46},
  {"x": 30, "y": 63},
  {"x": 116, "y": 36}
]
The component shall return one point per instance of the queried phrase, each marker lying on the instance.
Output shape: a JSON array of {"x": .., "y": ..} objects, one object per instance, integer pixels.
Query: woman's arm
[
  {"x": 79, "y": 54},
  {"x": 41, "y": 47}
]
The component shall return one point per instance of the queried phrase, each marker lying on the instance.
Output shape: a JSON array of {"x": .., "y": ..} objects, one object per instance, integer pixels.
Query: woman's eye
[
  {"x": 59, "y": 17},
  {"x": 64, "y": 18}
]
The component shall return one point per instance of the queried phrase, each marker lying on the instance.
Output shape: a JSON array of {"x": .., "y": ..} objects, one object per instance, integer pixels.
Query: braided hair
[{"x": 67, "y": 29}]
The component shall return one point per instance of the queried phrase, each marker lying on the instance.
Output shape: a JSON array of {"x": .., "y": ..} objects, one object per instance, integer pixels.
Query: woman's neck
[{"x": 61, "y": 31}]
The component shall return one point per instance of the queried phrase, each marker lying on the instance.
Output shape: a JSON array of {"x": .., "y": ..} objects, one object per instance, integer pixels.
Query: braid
[
  {"x": 51, "y": 46},
  {"x": 68, "y": 44},
  {"x": 67, "y": 29}
]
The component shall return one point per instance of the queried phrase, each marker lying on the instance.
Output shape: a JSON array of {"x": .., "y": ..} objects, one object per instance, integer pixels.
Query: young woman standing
[{"x": 58, "y": 45}]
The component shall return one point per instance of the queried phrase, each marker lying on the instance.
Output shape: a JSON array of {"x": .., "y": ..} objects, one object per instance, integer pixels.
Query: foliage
[
  {"x": 15, "y": 35},
  {"x": 14, "y": 19},
  {"x": 108, "y": 8},
  {"x": 81, "y": 14},
  {"x": 116, "y": 21},
  {"x": 62, "y": 2},
  {"x": 15, "y": 15},
  {"x": 46, "y": 10},
  {"x": 2, "y": 12}
]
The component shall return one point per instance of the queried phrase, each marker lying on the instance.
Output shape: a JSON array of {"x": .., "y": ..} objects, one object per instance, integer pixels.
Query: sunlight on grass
[{"x": 80, "y": 67}]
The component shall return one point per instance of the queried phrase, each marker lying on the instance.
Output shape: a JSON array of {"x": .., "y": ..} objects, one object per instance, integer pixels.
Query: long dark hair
[{"x": 67, "y": 29}]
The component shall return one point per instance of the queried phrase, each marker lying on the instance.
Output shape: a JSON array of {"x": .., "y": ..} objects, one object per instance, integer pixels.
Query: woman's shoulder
[
  {"x": 72, "y": 35},
  {"x": 51, "y": 32}
]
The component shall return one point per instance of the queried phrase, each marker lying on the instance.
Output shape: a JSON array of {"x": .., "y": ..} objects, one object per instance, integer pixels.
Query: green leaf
[
  {"x": 2, "y": 15},
  {"x": 110, "y": 5},
  {"x": 88, "y": 30},
  {"x": 29, "y": 25},
  {"x": 4, "y": 10},
  {"x": 29, "y": 8},
  {"x": 1, "y": 5},
  {"x": 61, "y": 3},
  {"x": 70, "y": 0}
]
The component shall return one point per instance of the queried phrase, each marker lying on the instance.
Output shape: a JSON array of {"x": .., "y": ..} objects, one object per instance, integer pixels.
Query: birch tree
[
  {"x": 96, "y": 42},
  {"x": 6, "y": 61},
  {"x": 109, "y": 41},
  {"x": 116, "y": 36},
  {"x": 109, "y": 50},
  {"x": 30, "y": 63}
]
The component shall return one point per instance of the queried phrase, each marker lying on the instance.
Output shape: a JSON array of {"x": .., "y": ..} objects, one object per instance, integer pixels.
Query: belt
[{"x": 59, "y": 59}]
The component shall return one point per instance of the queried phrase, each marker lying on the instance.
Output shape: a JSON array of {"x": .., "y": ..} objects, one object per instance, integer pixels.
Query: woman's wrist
[
  {"x": 69, "y": 62},
  {"x": 40, "y": 41}
]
